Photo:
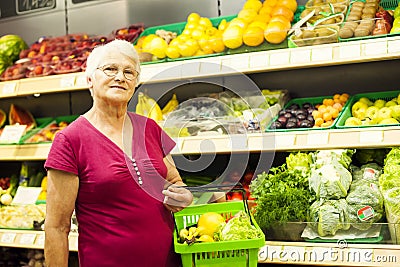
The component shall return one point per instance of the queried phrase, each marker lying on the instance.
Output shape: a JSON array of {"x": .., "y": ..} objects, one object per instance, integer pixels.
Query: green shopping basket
[{"x": 241, "y": 253}]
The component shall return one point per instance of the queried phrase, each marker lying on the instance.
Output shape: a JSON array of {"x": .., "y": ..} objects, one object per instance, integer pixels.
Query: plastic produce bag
[{"x": 328, "y": 216}]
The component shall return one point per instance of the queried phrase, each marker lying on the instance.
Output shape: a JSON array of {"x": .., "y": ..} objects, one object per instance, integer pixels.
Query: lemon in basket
[{"x": 209, "y": 223}]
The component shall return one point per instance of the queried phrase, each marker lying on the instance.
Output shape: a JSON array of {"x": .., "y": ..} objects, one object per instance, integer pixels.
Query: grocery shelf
[
  {"x": 367, "y": 137},
  {"x": 30, "y": 239},
  {"x": 329, "y": 254},
  {"x": 254, "y": 62}
]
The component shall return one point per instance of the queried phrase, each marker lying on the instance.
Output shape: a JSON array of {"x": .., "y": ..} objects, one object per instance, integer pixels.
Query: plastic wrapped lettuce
[
  {"x": 392, "y": 205},
  {"x": 343, "y": 156},
  {"x": 327, "y": 216},
  {"x": 238, "y": 227},
  {"x": 365, "y": 203},
  {"x": 330, "y": 181},
  {"x": 370, "y": 171}
]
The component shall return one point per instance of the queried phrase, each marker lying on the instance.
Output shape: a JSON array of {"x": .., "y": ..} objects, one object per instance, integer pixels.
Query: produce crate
[
  {"x": 346, "y": 113},
  {"x": 387, "y": 5},
  {"x": 50, "y": 127},
  {"x": 220, "y": 253},
  {"x": 300, "y": 101}
]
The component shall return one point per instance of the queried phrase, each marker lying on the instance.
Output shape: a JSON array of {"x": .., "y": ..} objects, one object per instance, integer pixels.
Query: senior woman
[{"x": 113, "y": 167}]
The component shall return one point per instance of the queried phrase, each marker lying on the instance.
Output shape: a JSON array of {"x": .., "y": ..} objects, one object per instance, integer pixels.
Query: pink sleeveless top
[{"x": 121, "y": 223}]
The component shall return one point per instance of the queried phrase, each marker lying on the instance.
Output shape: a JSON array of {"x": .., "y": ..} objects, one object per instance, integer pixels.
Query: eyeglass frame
[{"x": 118, "y": 70}]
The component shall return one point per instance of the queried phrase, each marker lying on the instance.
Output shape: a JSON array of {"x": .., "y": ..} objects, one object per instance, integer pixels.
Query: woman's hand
[{"x": 177, "y": 198}]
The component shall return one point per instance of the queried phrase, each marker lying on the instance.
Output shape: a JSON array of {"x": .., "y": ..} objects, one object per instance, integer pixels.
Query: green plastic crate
[
  {"x": 27, "y": 138},
  {"x": 312, "y": 100},
  {"x": 241, "y": 253},
  {"x": 387, "y": 5},
  {"x": 346, "y": 113}
]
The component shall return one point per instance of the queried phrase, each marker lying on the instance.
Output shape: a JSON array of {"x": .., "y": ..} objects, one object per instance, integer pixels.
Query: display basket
[{"x": 220, "y": 253}]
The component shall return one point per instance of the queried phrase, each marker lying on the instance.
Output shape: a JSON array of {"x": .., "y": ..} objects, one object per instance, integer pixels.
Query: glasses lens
[
  {"x": 111, "y": 71},
  {"x": 130, "y": 74}
]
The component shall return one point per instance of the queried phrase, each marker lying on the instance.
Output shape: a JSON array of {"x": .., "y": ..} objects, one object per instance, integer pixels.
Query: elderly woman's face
[{"x": 115, "y": 79}]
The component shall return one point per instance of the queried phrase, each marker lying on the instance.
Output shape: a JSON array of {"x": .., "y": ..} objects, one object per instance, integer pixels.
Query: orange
[
  {"x": 247, "y": 15},
  {"x": 291, "y": 4},
  {"x": 328, "y": 102},
  {"x": 233, "y": 37},
  {"x": 276, "y": 32},
  {"x": 209, "y": 223},
  {"x": 253, "y": 4},
  {"x": 253, "y": 36},
  {"x": 327, "y": 116},
  {"x": 271, "y": 3},
  {"x": 318, "y": 122},
  {"x": 283, "y": 20},
  {"x": 282, "y": 11}
]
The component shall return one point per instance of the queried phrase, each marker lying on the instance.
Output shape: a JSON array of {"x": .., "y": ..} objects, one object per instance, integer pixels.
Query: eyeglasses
[{"x": 112, "y": 71}]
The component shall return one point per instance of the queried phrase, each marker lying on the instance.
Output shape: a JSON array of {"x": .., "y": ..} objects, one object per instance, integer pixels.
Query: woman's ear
[{"x": 89, "y": 82}]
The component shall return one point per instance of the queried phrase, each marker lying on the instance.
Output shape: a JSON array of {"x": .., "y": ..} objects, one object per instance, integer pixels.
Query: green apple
[
  {"x": 389, "y": 121},
  {"x": 380, "y": 103},
  {"x": 385, "y": 113},
  {"x": 366, "y": 101},
  {"x": 372, "y": 112},
  {"x": 358, "y": 110},
  {"x": 395, "y": 112},
  {"x": 390, "y": 103},
  {"x": 352, "y": 121}
]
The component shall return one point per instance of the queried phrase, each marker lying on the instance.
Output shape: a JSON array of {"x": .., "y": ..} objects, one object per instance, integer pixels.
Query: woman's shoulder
[{"x": 142, "y": 120}]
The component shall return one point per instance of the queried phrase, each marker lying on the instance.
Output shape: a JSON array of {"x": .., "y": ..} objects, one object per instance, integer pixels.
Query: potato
[
  {"x": 351, "y": 24},
  {"x": 367, "y": 16},
  {"x": 369, "y": 10},
  {"x": 346, "y": 32},
  {"x": 352, "y": 18},
  {"x": 357, "y": 4},
  {"x": 355, "y": 13},
  {"x": 361, "y": 32},
  {"x": 374, "y": 5}
]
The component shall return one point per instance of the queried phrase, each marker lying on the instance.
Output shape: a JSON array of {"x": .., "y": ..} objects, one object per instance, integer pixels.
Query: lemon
[
  {"x": 188, "y": 48},
  {"x": 157, "y": 47},
  {"x": 206, "y": 22},
  {"x": 147, "y": 40},
  {"x": 172, "y": 52},
  {"x": 200, "y": 53},
  {"x": 211, "y": 31},
  {"x": 259, "y": 24},
  {"x": 253, "y": 4},
  {"x": 209, "y": 223},
  {"x": 247, "y": 15},
  {"x": 193, "y": 17},
  {"x": 216, "y": 44},
  {"x": 191, "y": 26},
  {"x": 238, "y": 22},
  {"x": 205, "y": 238},
  {"x": 233, "y": 37},
  {"x": 197, "y": 34},
  {"x": 222, "y": 25}
]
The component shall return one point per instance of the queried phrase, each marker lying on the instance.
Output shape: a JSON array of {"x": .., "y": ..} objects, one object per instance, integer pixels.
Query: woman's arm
[
  {"x": 62, "y": 190},
  {"x": 176, "y": 197}
]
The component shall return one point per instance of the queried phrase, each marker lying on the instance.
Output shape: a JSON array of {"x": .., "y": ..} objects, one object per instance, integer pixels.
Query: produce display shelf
[
  {"x": 30, "y": 239},
  {"x": 254, "y": 62},
  {"x": 329, "y": 254}
]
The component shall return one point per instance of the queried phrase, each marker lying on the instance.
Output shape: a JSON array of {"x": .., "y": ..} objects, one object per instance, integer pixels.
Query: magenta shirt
[{"x": 120, "y": 223}]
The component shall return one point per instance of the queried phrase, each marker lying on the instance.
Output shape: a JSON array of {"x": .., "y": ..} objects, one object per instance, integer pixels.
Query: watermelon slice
[
  {"x": 3, "y": 117},
  {"x": 19, "y": 115}
]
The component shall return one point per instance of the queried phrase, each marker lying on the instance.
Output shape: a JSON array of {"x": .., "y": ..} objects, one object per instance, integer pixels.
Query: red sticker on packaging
[
  {"x": 365, "y": 213},
  {"x": 370, "y": 173}
]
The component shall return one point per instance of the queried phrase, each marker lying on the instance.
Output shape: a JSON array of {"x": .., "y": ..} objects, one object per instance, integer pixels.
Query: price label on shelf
[
  {"x": 393, "y": 46},
  {"x": 259, "y": 60},
  {"x": 238, "y": 142},
  {"x": 317, "y": 138},
  {"x": 27, "y": 239},
  {"x": 67, "y": 82},
  {"x": 375, "y": 48},
  {"x": 279, "y": 58},
  {"x": 284, "y": 140},
  {"x": 349, "y": 51},
  {"x": 40, "y": 240},
  {"x": 12, "y": 133},
  {"x": 8, "y": 238},
  {"x": 9, "y": 88},
  {"x": 300, "y": 56},
  {"x": 371, "y": 137},
  {"x": 321, "y": 54}
]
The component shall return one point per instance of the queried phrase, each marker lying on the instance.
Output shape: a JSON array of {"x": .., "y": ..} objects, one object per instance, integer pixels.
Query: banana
[
  {"x": 183, "y": 234},
  {"x": 139, "y": 105},
  {"x": 171, "y": 105},
  {"x": 154, "y": 109}
]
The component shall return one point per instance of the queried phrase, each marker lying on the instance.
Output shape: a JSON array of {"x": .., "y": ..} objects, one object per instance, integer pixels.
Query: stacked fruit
[
  {"x": 326, "y": 113},
  {"x": 207, "y": 225},
  {"x": 257, "y": 21},
  {"x": 368, "y": 112},
  {"x": 148, "y": 107}
]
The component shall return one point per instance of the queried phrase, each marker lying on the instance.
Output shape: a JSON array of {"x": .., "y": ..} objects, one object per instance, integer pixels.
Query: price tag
[
  {"x": 81, "y": 81},
  {"x": 240, "y": 63},
  {"x": 394, "y": 46},
  {"x": 210, "y": 67},
  {"x": 317, "y": 138},
  {"x": 300, "y": 56},
  {"x": 26, "y": 195},
  {"x": 8, "y": 238},
  {"x": 280, "y": 58},
  {"x": 9, "y": 88},
  {"x": 375, "y": 48},
  {"x": 371, "y": 137},
  {"x": 259, "y": 60},
  {"x": 191, "y": 69},
  {"x": 12, "y": 133},
  {"x": 349, "y": 51},
  {"x": 239, "y": 142},
  {"x": 67, "y": 82},
  {"x": 40, "y": 240},
  {"x": 27, "y": 239},
  {"x": 321, "y": 54},
  {"x": 284, "y": 140}
]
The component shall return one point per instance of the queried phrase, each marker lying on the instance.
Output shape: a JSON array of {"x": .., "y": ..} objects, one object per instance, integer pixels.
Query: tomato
[{"x": 236, "y": 196}]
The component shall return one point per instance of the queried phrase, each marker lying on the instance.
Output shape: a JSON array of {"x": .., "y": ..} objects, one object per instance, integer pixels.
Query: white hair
[{"x": 96, "y": 56}]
